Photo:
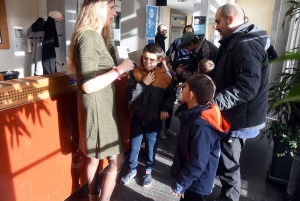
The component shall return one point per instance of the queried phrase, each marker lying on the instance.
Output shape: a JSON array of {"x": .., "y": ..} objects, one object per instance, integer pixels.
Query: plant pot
[
  {"x": 281, "y": 165},
  {"x": 293, "y": 189}
]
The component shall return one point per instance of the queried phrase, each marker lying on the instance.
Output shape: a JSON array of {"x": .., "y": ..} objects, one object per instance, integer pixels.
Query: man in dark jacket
[
  {"x": 201, "y": 48},
  {"x": 160, "y": 36},
  {"x": 241, "y": 76},
  {"x": 181, "y": 56}
]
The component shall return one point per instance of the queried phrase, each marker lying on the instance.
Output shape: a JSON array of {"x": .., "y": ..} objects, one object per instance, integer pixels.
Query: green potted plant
[
  {"x": 287, "y": 127},
  {"x": 284, "y": 130}
]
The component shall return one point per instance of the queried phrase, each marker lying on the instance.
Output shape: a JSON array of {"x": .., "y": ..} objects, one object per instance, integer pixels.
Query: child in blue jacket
[{"x": 198, "y": 144}]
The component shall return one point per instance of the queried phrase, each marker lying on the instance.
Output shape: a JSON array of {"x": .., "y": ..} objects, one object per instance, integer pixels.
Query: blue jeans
[{"x": 139, "y": 129}]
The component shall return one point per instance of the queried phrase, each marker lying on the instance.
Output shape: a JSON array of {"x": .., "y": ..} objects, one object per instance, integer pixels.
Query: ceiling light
[{"x": 182, "y": 0}]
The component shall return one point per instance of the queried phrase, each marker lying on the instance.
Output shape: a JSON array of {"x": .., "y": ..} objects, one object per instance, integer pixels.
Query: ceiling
[
  {"x": 185, "y": 7},
  {"x": 188, "y": 6}
]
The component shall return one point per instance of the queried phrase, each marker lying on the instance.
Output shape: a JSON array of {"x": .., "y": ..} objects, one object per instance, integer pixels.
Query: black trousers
[
  {"x": 192, "y": 196},
  {"x": 229, "y": 167}
]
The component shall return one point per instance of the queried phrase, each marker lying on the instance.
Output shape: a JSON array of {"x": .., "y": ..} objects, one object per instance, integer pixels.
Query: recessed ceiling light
[{"x": 182, "y": 0}]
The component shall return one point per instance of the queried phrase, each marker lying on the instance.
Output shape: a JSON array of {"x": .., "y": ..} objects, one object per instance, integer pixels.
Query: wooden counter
[{"x": 39, "y": 156}]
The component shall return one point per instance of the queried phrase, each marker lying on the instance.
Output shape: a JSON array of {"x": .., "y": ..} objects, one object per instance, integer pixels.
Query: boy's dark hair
[
  {"x": 203, "y": 87},
  {"x": 205, "y": 65},
  {"x": 154, "y": 48}
]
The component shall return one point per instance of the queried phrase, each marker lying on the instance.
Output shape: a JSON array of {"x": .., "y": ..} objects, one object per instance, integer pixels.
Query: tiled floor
[{"x": 255, "y": 162}]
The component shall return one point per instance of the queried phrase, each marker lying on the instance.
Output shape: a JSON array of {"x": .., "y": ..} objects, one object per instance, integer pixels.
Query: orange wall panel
[{"x": 39, "y": 155}]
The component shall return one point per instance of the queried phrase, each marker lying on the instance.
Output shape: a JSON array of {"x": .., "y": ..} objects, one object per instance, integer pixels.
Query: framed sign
[
  {"x": 4, "y": 38},
  {"x": 199, "y": 25}
]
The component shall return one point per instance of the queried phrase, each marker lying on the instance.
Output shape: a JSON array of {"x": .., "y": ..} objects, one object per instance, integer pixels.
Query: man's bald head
[{"x": 232, "y": 9}]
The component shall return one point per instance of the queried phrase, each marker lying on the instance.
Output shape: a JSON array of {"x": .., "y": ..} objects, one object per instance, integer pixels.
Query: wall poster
[
  {"x": 199, "y": 25},
  {"x": 151, "y": 18},
  {"x": 4, "y": 38}
]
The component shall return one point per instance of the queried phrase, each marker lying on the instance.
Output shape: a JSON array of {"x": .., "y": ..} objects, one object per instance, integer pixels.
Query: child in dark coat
[
  {"x": 151, "y": 95},
  {"x": 198, "y": 144}
]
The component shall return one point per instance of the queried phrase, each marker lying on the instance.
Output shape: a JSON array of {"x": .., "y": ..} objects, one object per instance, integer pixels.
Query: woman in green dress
[{"x": 95, "y": 72}]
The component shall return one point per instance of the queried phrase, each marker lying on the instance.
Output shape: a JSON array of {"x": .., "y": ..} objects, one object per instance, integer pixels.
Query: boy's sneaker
[
  {"x": 125, "y": 179},
  {"x": 162, "y": 134},
  {"x": 147, "y": 180},
  {"x": 170, "y": 132}
]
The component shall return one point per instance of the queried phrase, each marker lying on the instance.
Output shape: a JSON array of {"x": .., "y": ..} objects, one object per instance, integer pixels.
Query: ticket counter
[{"x": 39, "y": 154}]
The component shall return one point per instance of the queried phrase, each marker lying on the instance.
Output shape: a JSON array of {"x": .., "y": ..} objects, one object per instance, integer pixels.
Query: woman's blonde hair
[{"x": 88, "y": 18}]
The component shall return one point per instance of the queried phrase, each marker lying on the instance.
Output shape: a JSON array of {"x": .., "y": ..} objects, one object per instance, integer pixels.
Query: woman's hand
[
  {"x": 149, "y": 78},
  {"x": 125, "y": 66}
]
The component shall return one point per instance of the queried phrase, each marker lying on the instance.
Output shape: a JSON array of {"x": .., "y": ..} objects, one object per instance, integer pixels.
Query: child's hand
[
  {"x": 180, "y": 102},
  {"x": 180, "y": 86},
  {"x": 179, "y": 70},
  {"x": 148, "y": 79},
  {"x": 177, "y": 194},
  {"x": 164, "y": 115}
]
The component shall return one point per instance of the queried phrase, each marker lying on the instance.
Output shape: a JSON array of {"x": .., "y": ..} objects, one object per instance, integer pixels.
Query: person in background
[
  {"x": 150, "y": 96},
  {"x": 197, "y": 149},
  {"x": 204, "y": 66},
  {"x": 160, "y": 36},
  {"x": 181, "y": 56},
  {"x": 241, "y": 76},
  {"x": 95, "y": 72},
  {"x": 201, "y": 48}
]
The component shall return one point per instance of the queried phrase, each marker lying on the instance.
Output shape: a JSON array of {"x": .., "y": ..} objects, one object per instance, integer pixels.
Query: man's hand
[
  {"x": 148, "y": 79},
  {"x": 164, "y": 115},
  {"x": 177, "y": 194}
]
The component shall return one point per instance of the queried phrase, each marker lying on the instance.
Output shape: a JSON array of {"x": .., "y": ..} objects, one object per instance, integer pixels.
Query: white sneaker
[
  {"x": 170, "y": 132},
  {"x": 162, "y": 135}
]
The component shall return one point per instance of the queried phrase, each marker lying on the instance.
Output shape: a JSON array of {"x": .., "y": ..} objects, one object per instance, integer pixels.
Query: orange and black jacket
[
  {"x": 198, "y": 149},
  {"x": 146, "y": 102}
]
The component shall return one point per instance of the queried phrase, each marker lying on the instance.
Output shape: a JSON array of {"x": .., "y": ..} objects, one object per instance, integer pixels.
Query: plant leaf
[
  {"x": 289, "y": 56},
  {"x": 293, "y": 95}
]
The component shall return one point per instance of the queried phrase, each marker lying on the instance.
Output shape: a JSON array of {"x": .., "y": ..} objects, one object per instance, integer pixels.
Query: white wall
[
  {"x": 20, "y": 14},
  {"x": 259, "y": 15},
  {"x": 133, "y": 29}
]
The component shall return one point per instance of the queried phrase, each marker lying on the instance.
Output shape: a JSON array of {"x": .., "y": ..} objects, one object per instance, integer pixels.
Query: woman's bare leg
[
  {"x": 92, "y": 173},
  {"x": 110, "y": 176}
]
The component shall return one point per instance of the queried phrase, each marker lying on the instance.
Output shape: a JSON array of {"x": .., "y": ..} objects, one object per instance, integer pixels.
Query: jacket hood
[
  {"x": 212, "y": 115},
  {"x": 247, "y": 32}
]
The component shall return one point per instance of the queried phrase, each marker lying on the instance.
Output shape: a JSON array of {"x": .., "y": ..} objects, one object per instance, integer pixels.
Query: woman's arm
[{"x": 103, "y": 80}]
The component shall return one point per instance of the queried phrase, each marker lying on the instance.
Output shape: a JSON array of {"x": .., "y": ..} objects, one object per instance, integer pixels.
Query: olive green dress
[{"x": 99, "y": 136}]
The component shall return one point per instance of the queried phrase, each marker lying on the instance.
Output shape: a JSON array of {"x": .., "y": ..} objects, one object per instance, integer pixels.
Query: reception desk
[{"x": 39, "y": 154}]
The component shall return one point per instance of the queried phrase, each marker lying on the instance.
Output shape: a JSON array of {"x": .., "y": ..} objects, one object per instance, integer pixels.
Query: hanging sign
[{"x": 151, "y": 18}]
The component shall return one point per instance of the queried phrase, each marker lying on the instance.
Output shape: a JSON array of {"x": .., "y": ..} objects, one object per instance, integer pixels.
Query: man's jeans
[{"x": 139, "y": 129}]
